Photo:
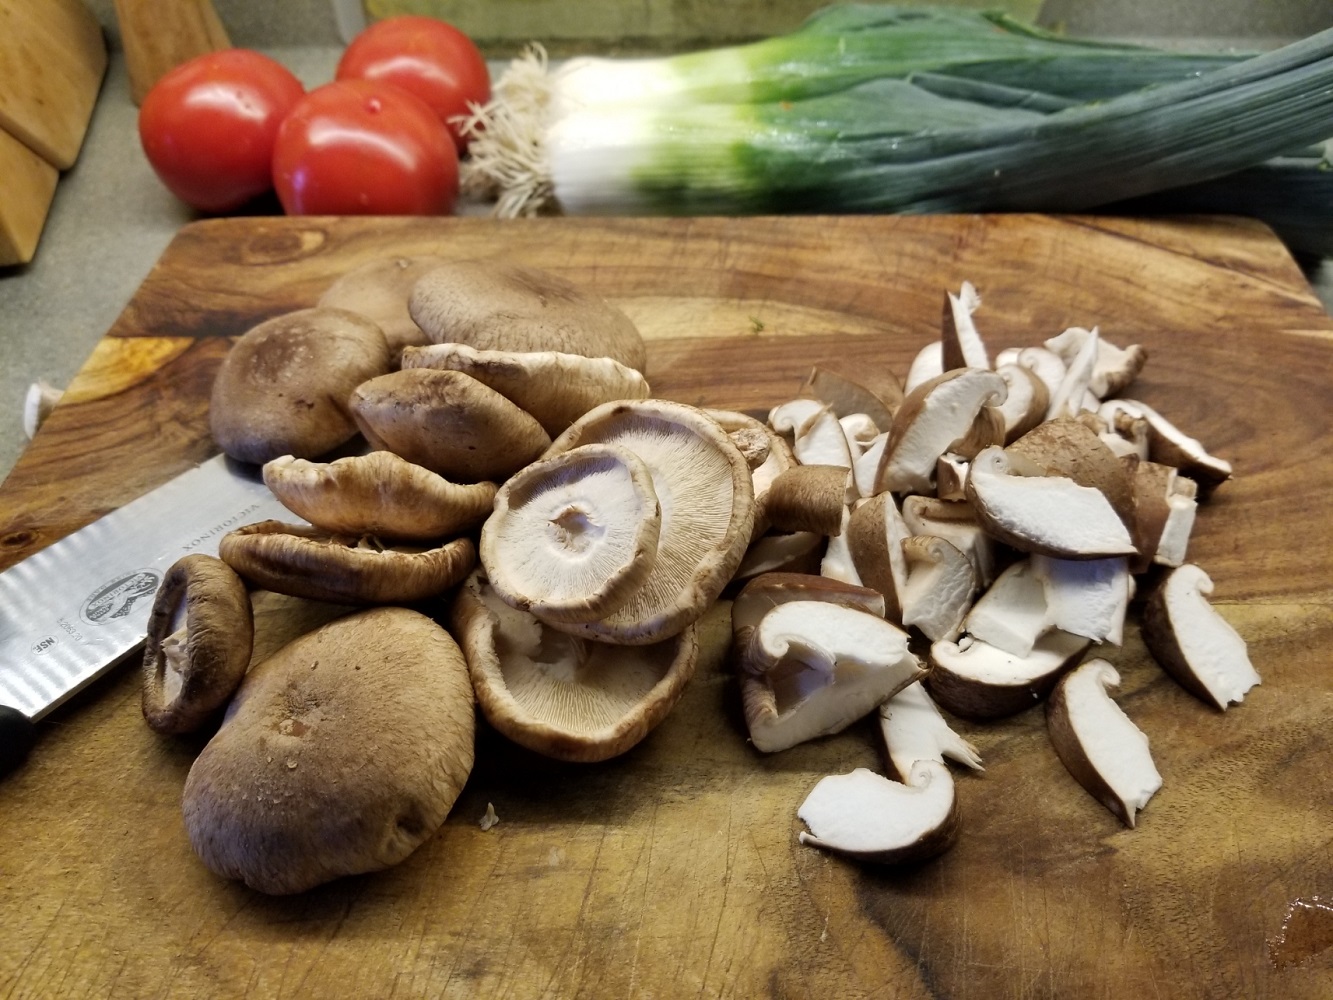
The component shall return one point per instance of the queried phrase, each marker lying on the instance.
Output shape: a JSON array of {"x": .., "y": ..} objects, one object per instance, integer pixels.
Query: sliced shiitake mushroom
[
  {"x": 980, "y": 681},
  {"x": 865, "y": 816},
  {"x": 340, "y": 754},
  {"x": 198, "y": 644},
  {"x": 1195, "y": 644},
  {"x": 1105, "y": 752},
  {"x": 913, "y": 729}
]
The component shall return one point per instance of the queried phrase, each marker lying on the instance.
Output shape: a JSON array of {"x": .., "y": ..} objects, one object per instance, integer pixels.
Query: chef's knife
[{"x": 74, "y": 610}]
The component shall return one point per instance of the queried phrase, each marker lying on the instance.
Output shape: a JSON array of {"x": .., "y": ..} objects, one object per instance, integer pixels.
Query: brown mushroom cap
[
  {"x": 283, "y": 387},
  {"x": 322, "y": 768},
  {"x": 198, "y": 645},
  {"x": 497, "y": 306},
  {"x": 377, "y": 494},
  {"x": 560, "y": 695},
  {"x": 572, "y": 537},
  {"x": 447, "y": 422},
  {"x": 306, "y": 562},
  {"x": 555, "y": 388},
  {"x": 378, "y": 290},
  {"x": 703, "y": 485}
]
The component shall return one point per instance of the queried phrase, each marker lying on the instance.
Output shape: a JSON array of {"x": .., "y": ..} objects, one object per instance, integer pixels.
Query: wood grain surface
[{"x": 675, "y": 871}]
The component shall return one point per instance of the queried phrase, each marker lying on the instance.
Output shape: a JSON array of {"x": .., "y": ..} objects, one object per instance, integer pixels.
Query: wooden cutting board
[{"x": 675, "y": 871}]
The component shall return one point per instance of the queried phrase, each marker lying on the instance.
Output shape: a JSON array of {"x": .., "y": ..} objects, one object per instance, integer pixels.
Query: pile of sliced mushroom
[{"x": 954, "y": 545}]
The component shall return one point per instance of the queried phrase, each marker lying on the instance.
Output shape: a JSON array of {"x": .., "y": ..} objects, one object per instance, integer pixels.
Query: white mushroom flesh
[
  {"x": 1214, "y": 650},
  {"x": 928, "y": 364},
  {"x": 1115, "y": 748},
  {"x": 913, "y": 730},
  {"x": 1088, "y": 597},
  {"x": 1011, "y": 614},
  {"x": 838, "y": 563},
  {"x": 986, "y": 664},
  {"x": 864, "y": 813}
]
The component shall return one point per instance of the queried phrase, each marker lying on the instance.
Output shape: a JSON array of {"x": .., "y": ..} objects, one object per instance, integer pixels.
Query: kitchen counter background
[{"x": 111, "y": 219}]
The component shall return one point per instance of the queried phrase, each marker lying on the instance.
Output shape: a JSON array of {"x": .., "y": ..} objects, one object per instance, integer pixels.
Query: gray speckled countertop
[{"x": 109, "y": 223}]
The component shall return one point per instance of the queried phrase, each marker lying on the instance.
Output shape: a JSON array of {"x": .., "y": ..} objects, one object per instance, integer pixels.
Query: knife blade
[{"x": 73, "y": 611}]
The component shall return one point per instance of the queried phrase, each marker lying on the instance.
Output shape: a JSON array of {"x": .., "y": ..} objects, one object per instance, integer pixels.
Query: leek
[
  {"x": 935, "y": 138},
  {"x": 844, "y": 45}
]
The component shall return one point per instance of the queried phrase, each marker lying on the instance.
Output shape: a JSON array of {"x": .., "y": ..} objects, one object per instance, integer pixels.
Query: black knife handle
[{"x": 17, "y": 734}]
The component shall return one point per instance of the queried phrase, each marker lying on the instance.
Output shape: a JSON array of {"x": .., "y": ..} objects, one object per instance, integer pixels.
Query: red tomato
[
  {"x": 207, "y": 127},
  {"x": 430, "y": 58},
  {"x": 360, "y": 147}
]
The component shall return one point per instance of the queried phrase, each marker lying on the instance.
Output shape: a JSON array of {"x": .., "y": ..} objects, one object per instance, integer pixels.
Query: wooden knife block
[{"x": 52, "y": 60}]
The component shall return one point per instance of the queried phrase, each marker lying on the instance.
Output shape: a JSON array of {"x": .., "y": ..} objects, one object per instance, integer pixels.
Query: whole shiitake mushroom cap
[
  {"x": 378, "y": 290},
  {"x": 198, "y": 644},
  {"x": 345, "y": 569},
  {"x": 447, "y": 422},
  {"x": 283, "y": 388},
  {"x": 340, "y": 754},
  {"x": 493, "y": 305}
]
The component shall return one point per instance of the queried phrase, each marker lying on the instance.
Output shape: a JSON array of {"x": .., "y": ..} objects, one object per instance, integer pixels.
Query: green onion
[{"x": 937, "y": 140}]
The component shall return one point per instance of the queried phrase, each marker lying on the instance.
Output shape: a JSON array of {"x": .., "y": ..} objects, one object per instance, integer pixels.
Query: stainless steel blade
[{"x": 70, "y": 612}]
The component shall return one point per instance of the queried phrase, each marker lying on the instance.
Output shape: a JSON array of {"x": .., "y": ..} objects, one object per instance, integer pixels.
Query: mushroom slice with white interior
[
  {"x": 283, "y": 387},
  {"x": 808, "y": 498},
  {"x": 811, "y": 668},
  {"x": 1011, "y": 614},
  {"x": 322, "y": 768},
  {"x": 555, "y": 388},
  {"x": 913, "y": 729},
  {"x": 939, "y": 589},
  {"x": 933, "y": 417},
  {"x": 572, "y": 537},
  {"x": 1115, "y": 367},
  {"x": 1105, "y": 752},
  {"x": 980, "y": 681},
  {"x": 561, "y": 695},
  {"x": 875, "y": 533},
  {"x": 866, "y": 466},
  {"x": 1026, "y": 403},
  {"x": 1046, "y": 365},
  {"x": 1169, "y": 445},
  {"x": 496, "y": 305},
  {"x": 860, "y": 432},
  {"x": 198, "y": 645},
  {"x": 962, "y": 345},
  {"x": 818, "y": 436},
  {"x": 787, "y": 552},
  {"x": 378, "y": 290},
  {"x": 951, "y": 477},
  {"x": 1051, "y": 515},
  {"x": 838, "y": 562},
  {"x": 448, "y": 422},
  {"x": 377, "y": 494},
  {"x": 768, "y": 590},
  {"x": 707, "y": 501},
  {"x": 956, "y": 521},
  {"x": 1195, "y": 644},
  {"x": 865, "y": 816},
  {"x": 928, "y": 363},
  {"x": 1088, "y": 597},
  {"x": 1067, "y": 400},
  {"x": 1066, "y": 446},
  {"x": 345, "y": 569},
  {"x": 847, "y": 396}
]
